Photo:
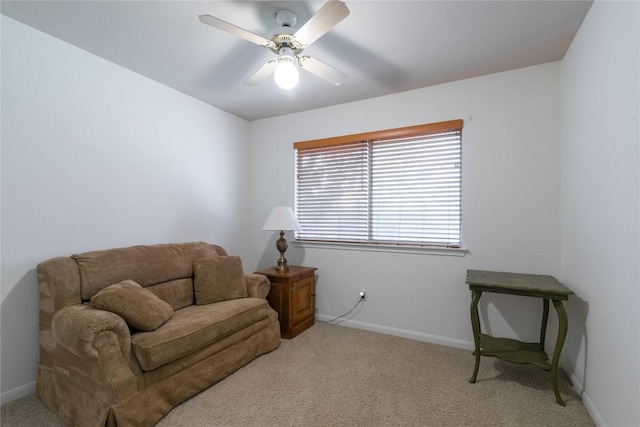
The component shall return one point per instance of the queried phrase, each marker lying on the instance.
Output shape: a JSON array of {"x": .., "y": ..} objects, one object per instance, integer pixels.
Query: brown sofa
[{"x": 173, "y": 319}]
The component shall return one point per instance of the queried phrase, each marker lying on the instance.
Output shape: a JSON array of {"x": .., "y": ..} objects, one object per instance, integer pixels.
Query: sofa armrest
[
  {"x": 258, "y": 285},
  {"x": 78, "y": 329},
  {"x": 100, "y": 337}
]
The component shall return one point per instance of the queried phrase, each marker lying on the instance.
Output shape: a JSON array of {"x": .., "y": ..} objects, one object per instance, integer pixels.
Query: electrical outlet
[{"x": 363, "y": 295}]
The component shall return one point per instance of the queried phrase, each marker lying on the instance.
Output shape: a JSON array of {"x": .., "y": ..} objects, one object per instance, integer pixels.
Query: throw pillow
[
  {"x": 139, "y": 307},
  {"x": 218, "y": 279}
]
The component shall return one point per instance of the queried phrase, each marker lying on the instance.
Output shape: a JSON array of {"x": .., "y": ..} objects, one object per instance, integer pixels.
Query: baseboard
[
  {"x": 17, "y": 393},
  {"x": 418, "y": 336},
  {"x": 588, "y": 404}
]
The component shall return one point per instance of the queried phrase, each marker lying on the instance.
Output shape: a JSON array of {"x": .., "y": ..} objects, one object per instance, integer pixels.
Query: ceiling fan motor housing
[{"x": 283, "y": 37}]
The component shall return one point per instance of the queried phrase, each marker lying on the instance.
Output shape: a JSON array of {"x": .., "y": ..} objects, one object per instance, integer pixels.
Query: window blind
[{"x": 395, "y": 187}]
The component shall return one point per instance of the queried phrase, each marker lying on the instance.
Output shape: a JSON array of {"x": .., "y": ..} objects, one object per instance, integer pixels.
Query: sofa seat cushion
[{"x": 194, "y": 327}]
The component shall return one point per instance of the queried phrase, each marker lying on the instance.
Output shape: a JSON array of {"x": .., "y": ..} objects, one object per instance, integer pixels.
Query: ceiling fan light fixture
[{"x": 286, "y": 73}]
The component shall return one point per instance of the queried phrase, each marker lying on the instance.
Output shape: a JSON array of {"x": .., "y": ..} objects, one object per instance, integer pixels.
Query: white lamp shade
[{"x": 282, "y": 218}]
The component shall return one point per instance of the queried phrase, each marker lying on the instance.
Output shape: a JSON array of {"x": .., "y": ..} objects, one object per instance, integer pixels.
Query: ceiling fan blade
[
  {"x": 329, "y": 15},
  {"x": 262, "y": 73},
  {"x": 237, "y": 31},
  {"x": 322, "y": 70}
]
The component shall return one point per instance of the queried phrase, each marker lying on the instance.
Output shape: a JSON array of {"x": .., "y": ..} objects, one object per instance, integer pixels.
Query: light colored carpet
[{"x": 338, "y": 376}]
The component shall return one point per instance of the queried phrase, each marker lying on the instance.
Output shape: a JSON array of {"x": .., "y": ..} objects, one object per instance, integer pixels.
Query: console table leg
[
  {"x": 562, "y": 333},
  {"x": 475, "y": 325},
  {"x": 545, "y": 317}
]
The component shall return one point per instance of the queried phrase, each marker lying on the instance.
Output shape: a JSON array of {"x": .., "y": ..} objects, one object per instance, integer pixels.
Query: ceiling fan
[{"x": 289, "y": 45}]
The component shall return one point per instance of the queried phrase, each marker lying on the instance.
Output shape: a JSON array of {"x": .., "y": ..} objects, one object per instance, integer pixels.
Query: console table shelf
[{"x": 514, "y": 351}]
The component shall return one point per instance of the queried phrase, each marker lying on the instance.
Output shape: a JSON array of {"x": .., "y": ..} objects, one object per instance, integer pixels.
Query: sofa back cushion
[{"x": 166, "y": 269}]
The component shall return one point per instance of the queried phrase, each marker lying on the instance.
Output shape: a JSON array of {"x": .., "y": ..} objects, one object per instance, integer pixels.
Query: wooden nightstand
[{"x": 293, "y": 296}]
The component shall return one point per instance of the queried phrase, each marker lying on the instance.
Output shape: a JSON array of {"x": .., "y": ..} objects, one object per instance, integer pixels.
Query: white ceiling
[{"x": 384, "y": 46}]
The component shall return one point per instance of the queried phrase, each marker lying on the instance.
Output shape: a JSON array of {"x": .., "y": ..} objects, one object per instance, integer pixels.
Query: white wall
[
  {"x": 93, "y": 157},
  {"x": 511, "y": 205},
  {"x": 601, "y": 210}
]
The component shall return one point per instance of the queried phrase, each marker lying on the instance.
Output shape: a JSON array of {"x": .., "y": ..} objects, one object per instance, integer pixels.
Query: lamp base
[
  {"x": 282, "y": 246},
  {"x": 281, "y": 268}
]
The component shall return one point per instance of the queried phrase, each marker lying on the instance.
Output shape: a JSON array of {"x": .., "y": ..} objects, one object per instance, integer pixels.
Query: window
[{"x": 394, "y": 187}]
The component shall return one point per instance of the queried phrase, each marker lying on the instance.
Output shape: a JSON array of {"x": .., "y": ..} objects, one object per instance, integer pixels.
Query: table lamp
[{"x": 282, "y": 218}]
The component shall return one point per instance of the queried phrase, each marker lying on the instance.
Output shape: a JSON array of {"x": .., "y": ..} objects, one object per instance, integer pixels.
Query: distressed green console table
[{"x": 529, "y": 285}]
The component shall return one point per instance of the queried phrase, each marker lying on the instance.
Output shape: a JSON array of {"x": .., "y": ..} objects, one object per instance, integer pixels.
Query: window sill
[{"x": 432, "y": 250}]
